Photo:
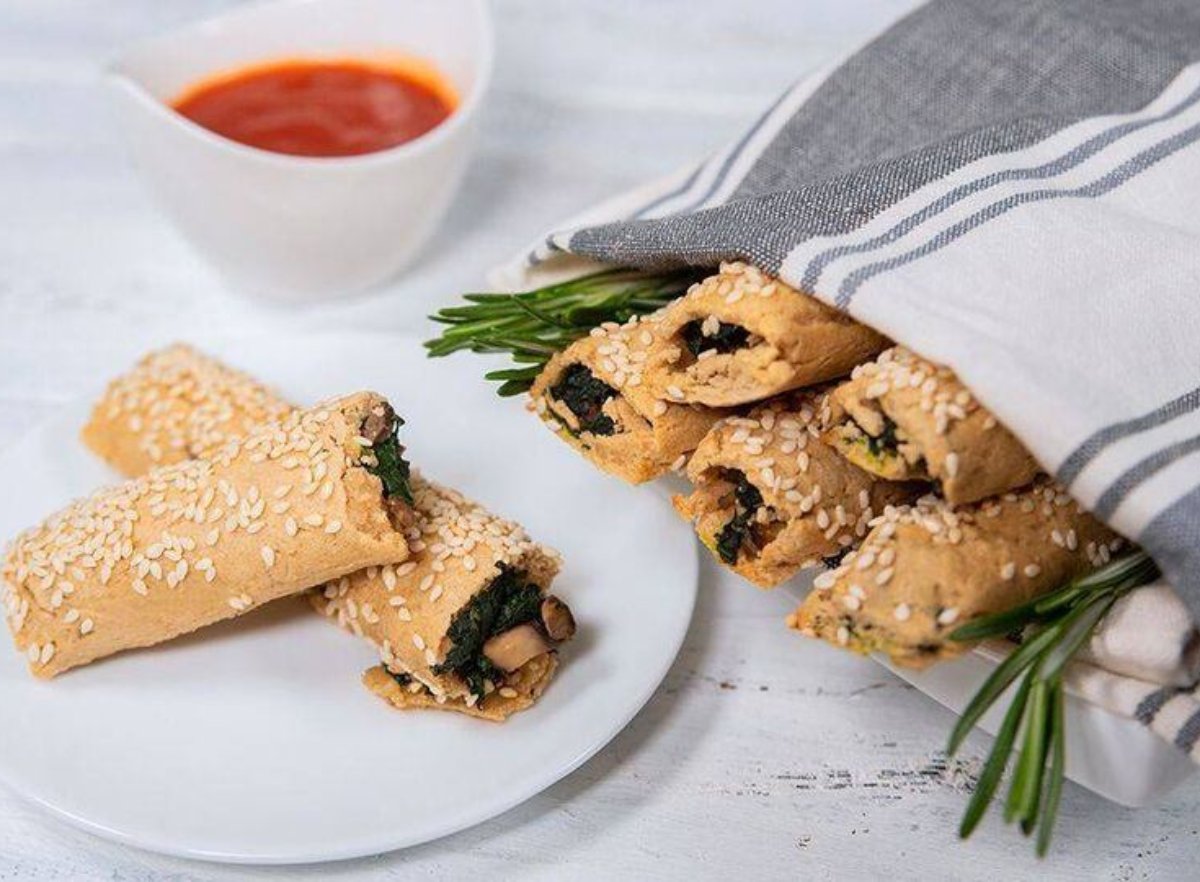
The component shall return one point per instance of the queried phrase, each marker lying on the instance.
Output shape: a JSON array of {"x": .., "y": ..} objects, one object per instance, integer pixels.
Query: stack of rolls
[
  {"x": 240, "y": 498},
  {"x": 828, "y": 445},
  {"x": 770, "y": 499}
]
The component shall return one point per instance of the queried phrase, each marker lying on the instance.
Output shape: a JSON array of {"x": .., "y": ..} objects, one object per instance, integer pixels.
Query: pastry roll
[
  {"x": 741, "y": 336},
  {"x": 903, "y": 418},
  {"x": 466, "y": 624},
  {"x": 593, "y": 395},
  {"x": 770, "y": 498},
  {"x": 176, "y": 404},
  {"x": 927, "y": 569},
  {"x": 291, "y": 505}
]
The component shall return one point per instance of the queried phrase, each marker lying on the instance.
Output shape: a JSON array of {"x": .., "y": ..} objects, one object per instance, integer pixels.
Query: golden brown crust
[
  {"x": 288, "y": 506},
  {"x": 815, "y": 503},
  {"x": 405, "y": 611},
  {"x": 651, "y": 436},
  {"x": 795, "y": 341},
  {"x": 176, "y": 404},
  {"x": 943, "y": 433},
  {"x": 524, "y": 687},
  {"x": 926, "y": 569}
]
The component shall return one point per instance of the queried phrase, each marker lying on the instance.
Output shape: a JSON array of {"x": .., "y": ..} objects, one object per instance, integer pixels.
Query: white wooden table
[{"x": 763, "y": 755}]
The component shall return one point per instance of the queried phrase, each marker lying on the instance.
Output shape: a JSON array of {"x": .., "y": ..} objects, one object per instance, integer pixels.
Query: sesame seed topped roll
[
  {"x": 466, "y": 623},
  {"x": 770, "y": 499},
  {"x": 925, "y": 570},
  {"x": 176, "y": 404},
  {"x": 904, "y": 418},
  {"x": 740, "y": 336},
  {"x": 593, "y": 395},
  {"x": 291, "y": 505}
]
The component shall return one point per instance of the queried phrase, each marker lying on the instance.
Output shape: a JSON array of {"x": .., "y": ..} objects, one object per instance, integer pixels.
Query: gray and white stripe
[{"x": 1031, "y": 223}]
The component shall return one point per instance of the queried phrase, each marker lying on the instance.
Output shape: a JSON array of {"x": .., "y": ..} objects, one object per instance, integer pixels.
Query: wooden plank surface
[{"x": 762, "y": 756}]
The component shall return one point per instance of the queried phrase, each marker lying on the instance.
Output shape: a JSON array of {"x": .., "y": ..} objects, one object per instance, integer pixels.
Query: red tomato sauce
[{"x": 317, "y": 108}]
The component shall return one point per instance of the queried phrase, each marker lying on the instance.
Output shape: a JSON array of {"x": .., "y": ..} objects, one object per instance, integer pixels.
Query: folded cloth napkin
[{"x": 1008, "y": 187}]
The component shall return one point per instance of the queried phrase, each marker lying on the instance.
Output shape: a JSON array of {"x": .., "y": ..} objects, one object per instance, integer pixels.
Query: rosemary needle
[
  {"x": 531, "y": 326},
  {"x": 1060, "y": 622}
]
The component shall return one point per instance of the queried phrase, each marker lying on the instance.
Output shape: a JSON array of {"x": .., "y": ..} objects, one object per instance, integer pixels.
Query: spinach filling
[
  {"x": 725, "y": 340},
  {"x": 584, "y": 395},
  {"x": 885, "y": 442},
  {"x": 833, "y": 561},
  {"x": 508, "y": 600},
  {"x": 747, "y": 500},
  {"x": 402, "y": 679},
  {"x": 390, "y": 466}
]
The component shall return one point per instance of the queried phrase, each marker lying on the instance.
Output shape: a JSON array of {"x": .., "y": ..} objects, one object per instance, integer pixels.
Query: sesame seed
[
  {"x": 947, "y": 616},
  {"x": 268, "y": 556},
  {"x": 902, "y": 612}
]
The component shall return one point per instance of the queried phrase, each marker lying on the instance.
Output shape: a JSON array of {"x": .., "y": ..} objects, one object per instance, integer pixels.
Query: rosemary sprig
[
  {"x": 531, "y": 326},
  {"x": 1057, "y": 625}
]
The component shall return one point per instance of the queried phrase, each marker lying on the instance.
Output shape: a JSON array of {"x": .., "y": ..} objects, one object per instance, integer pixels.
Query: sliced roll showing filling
[
  {"x": 467, "y": 623},
  {"x": 904, "y": 418},
  {"x": 290, "y": 505},
  {"x": 925, "y": 570},
  {"x": 176, "y": 404},
  {"x": 593, "y": 395},
  {"x": 770, "y": 499},
  {"x": 740, "y": 336}
]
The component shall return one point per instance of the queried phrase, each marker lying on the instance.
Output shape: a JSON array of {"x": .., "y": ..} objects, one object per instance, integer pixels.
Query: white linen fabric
[{"x": 1009, "y": 187}]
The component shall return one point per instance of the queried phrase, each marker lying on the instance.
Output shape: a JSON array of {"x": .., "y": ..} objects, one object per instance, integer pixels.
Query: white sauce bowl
[{"x": 292, "y": 228}]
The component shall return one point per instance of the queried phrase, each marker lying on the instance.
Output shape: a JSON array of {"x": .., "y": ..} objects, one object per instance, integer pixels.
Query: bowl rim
[{"x": 459, "y": 117}]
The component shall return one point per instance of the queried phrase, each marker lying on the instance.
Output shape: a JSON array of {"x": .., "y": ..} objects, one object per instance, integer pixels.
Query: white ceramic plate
[{"x": 253, "y": 741}]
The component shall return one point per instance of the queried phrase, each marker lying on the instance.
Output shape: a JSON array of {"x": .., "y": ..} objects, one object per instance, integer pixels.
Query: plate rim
[{"x": 69, "y": 412}]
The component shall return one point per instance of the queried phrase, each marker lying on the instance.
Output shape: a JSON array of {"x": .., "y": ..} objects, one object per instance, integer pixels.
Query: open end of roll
[
  {"x": 584, "y": 395},
  {"x": 503, "y": 627},
  {"x": 703, "y": 338},
  {"x": 383, "y": 457},
  {"x": 751, "y": 524}
]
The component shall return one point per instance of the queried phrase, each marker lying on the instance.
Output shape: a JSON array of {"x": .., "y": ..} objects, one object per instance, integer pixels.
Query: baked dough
[
  {"x": 525, "y": 686},
  {"x": 740, "y": 336},
  {"x": 176, "y": 393},
  {"x": 806, "y": 502},
  {"x": 176, "y": 404},
  {"x": 289, "y": 506},
  {"x": 904, "y": 418},
  {"x": 622, "y": 426},
  {"x": 927, "y": 569},
  {"x": 406, "y": 612}
]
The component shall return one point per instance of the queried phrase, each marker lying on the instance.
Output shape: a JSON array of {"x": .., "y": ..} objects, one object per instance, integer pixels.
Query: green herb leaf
[
  {"x": 533, "y": 325},
  {"x": 1064, "y": 620},
  {"x": 989, "y": 778},
  {"x": 747, "y": 500},
  {"x": 390, "y": 466},
  {"x": 507, "y": 601},
  {"x": 584, "y": 394}
]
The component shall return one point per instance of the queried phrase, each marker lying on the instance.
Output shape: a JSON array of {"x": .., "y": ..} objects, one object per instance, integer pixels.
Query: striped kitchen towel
[{"x": 1010, "y": 187}]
